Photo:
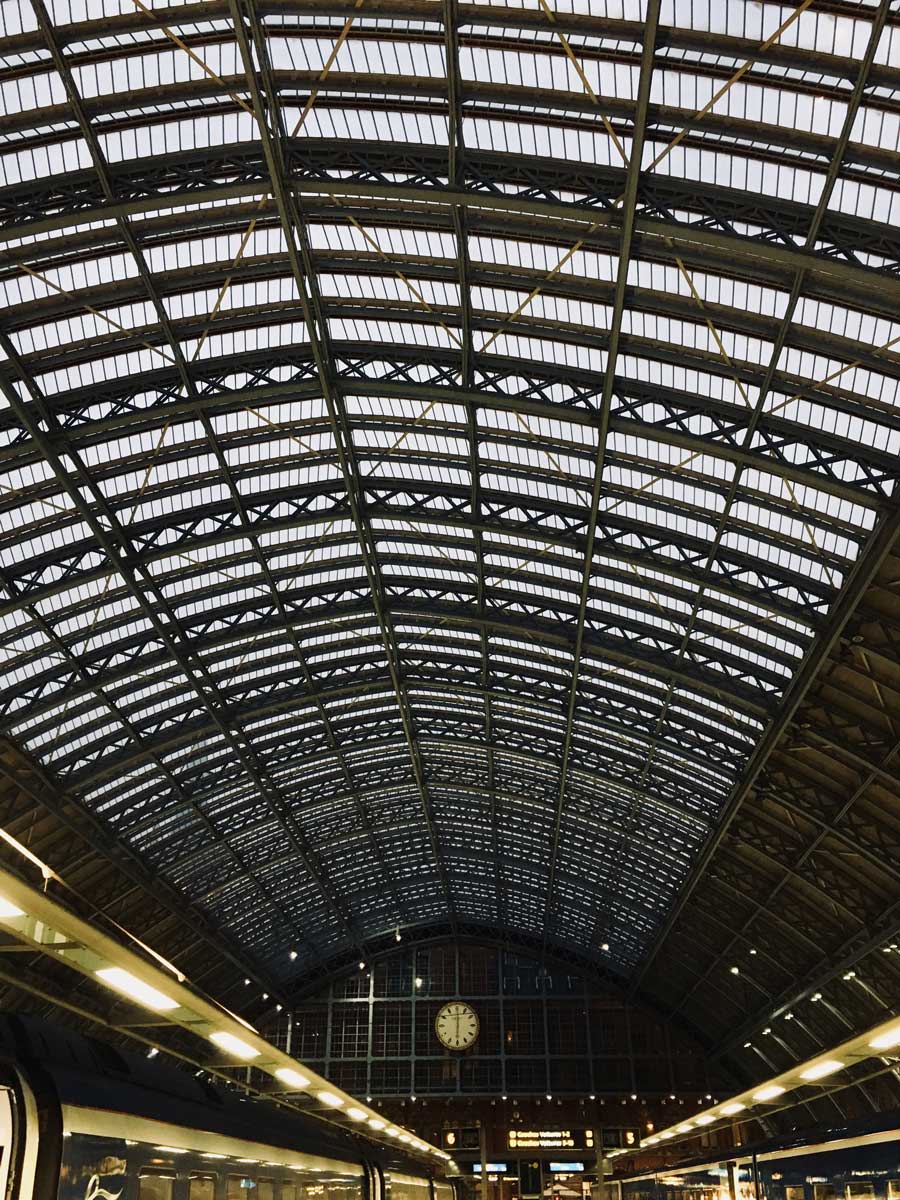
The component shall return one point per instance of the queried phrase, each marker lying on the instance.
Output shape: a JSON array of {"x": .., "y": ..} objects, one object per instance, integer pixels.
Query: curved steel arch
[{"x": 439, "y": 438}]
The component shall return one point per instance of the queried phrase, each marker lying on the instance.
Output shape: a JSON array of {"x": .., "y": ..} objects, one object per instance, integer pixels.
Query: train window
[
  {"x": 289, "y": 1191},
  {"x": 202, "y": 1187},
  {"x": 153, "y": 1185},
  {"x": 862, "y": 1189},
  {"x": 265, "y": 1189},
  {"x": 793, "y": 1192},
  {"x": 823, "y": 1191},
  {"x": 893, "y": 1189}
]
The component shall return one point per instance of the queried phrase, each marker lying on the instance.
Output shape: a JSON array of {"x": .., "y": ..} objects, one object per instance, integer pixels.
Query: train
[
  {"x": 853, "y": 1161},
  {"x": 82, "y": 1120}
]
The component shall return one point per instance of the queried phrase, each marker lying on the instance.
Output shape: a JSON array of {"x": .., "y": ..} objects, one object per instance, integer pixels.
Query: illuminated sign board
[
  {"x": 561, "y": 1168},
  {"x": 550, "y": 1139},
  {"x": 493, "y": 1168}
]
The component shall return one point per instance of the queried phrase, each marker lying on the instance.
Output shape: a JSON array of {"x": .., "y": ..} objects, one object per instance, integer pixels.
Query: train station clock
[{"x": 456, "y": 1025}]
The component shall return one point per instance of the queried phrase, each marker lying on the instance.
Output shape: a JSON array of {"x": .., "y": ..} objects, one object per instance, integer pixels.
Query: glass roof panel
[{"x": 358, "y": 473}]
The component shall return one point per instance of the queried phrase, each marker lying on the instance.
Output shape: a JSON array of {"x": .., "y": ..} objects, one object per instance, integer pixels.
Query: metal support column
[{"x": 482, "y": 1142}]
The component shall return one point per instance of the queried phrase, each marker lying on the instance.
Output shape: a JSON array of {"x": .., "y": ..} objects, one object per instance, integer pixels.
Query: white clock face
[{"x": 456, "y": 1025}]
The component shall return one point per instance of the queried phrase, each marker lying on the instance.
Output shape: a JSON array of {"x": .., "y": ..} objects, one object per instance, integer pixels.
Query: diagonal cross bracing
[{"x": 252, "y": 43}]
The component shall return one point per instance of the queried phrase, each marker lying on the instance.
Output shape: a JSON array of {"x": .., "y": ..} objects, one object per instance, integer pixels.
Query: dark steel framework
[
  {"x": 442, "y": 445},
  {"x": 544, "y": 1031}
]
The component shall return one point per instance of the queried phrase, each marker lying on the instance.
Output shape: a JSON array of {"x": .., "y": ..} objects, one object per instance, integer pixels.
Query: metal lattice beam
[
  {"x": 878, "y": 547},
  {"x": 254, "y": 55}
]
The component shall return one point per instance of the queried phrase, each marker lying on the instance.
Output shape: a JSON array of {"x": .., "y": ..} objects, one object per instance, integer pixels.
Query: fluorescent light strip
[
  {"x": 887, "y": 1040},
  {"x": 771, "y": 1091},
  {"x": 821, "y": 1069},
  {"x": 135, "y": 989},
  {"x": 130, "y": 985},
  {"x": 291, "y": 1077},
  {"x": 233, "y": 1045}
]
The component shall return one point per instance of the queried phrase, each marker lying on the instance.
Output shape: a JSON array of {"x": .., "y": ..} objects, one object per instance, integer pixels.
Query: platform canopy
[{"x": 440, "y": 443}]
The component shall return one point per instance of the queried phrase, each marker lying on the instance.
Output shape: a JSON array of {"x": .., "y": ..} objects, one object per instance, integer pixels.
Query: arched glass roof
[{"x": 436, "y": 436}]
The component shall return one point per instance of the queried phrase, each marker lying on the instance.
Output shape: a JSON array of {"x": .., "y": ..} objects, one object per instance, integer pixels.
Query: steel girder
[
  {"x": 843, "y": 794},
  {"x": 666, "y": 208}
]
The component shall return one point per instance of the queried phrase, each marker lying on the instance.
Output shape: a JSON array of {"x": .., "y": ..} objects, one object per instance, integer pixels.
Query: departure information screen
[{"x": 570, "y": 1139}]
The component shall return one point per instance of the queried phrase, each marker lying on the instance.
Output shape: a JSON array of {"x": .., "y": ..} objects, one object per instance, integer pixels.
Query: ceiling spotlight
[
  {"x": 605, "y": 946},
  {"x": 816, "y": 996},
  {"x": 849, "y": 975},
  {"x": 293, "y": 956},
  {"x": 748, "y": 1045},
  {"x": 362, "y": 965},
  {"x": 397, "y": 935},
  {"x": 418, "y": 981},
  {"x": 735, "y": 970},
  {"x": 752, "y": 951}
]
